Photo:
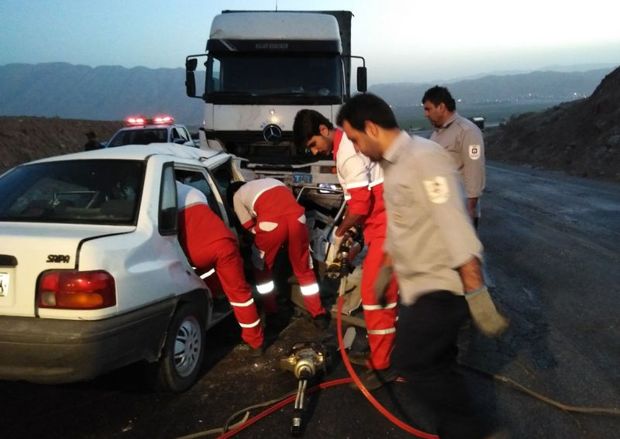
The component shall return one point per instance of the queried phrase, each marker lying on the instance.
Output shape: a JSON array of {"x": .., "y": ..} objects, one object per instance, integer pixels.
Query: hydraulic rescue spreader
[{"x": 306, "y": 360}]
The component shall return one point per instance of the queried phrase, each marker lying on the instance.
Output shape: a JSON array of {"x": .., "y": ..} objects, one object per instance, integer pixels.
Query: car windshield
[
  {"x": 142, "y": 136},
  {"x": 75, "y": 191}
]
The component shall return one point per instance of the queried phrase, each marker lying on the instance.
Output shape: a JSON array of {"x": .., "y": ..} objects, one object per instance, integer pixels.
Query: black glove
[{"x": 384, "y": 276}]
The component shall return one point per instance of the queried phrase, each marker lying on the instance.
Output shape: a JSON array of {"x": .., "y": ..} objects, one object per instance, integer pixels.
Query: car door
[
  {"x": 182, "y": 137},
  {"x": 188, "y": 138},
  {"x": 202, "y": 180}
]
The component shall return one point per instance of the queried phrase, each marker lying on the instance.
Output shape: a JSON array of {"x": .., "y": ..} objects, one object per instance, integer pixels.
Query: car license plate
[
  {"x": 302, "y": 178},
  {"x": 4, "y": 284}
]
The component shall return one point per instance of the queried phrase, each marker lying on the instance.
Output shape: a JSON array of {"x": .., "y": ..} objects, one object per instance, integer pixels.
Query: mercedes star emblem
[{"x": 272, "y": 133}]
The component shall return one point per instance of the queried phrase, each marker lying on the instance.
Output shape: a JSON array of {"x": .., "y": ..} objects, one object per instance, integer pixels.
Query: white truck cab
[{"x": 262, "y": 67}]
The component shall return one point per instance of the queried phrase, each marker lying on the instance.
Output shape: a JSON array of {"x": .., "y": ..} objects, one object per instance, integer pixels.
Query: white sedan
[{"x": 92, "y": 276}]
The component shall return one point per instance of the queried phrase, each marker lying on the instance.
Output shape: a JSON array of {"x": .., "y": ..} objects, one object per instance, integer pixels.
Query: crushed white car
[{"x": 92, "y": 276}]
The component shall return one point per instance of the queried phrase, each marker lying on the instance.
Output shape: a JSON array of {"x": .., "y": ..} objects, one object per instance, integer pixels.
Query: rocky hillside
[
  {"x": 28, "y": 138},
  {"x": 581, "y": 137}
]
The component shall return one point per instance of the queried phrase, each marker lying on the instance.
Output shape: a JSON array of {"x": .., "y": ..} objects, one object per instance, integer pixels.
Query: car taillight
[{"x": 68, "y": 289}]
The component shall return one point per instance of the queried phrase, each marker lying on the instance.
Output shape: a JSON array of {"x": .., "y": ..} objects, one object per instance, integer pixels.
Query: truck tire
[{"x": 183, "y": 351}]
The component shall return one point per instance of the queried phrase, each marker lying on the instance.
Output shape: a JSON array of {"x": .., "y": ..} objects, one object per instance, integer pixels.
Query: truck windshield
[{"x": 274, "y": 78}]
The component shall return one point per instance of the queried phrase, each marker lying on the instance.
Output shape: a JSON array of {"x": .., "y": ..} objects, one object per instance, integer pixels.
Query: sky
[{"x": 402, "y": 41}]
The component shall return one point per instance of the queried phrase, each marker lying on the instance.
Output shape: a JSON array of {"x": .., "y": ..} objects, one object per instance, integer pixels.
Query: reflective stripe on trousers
[
  {"x": 250, "y": 325},
  {"x": 379, "y": 307},
  {"x": 381, "y": 331},
  {"x": 266, "y": 287},
  {"x": 309, "y": 290}
]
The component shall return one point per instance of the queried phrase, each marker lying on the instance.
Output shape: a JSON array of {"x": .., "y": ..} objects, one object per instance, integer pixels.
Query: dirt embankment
[
  {"x": 581, "y": 138},
  {"x": 28, "y": 138}
]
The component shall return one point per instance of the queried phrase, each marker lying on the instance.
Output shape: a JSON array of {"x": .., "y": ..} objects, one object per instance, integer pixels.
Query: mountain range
[
  {"x": 98, "y": 93},
  {"x": 539, "y": 86},
  {"x": 113, "y": 92}
]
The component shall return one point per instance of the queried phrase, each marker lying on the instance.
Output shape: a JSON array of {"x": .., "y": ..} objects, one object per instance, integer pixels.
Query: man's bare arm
[
  {"x": 349, "y": 221},
  {"x": 471, "y": 275}
]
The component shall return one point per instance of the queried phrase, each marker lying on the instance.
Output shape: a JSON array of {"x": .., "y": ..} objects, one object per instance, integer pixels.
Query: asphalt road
[{"x": 553, "y": 251}]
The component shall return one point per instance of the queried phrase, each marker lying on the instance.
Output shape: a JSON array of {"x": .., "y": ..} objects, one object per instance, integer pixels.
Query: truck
[{"x": 262, "y": 67}]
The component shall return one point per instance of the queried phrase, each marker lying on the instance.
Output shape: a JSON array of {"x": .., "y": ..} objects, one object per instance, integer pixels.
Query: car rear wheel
[{"x": 183, "y": 351}]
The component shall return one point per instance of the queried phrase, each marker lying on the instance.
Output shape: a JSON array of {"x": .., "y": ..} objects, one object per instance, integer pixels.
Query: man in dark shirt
[{"x": 92, "y": 142}]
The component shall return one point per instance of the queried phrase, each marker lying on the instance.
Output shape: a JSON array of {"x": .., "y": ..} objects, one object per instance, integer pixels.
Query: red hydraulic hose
[
  {"x": 337, "y": 382},
  {"x": 385, "y": 412},
  {"x": 278, "y": 405}
]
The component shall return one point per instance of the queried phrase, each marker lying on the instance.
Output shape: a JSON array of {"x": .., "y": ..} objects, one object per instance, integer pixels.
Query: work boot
[
  {"x": 373, "y": 379},
  {"x": 359, "y": 358},
  {"x": 257, "y": 352},
  {"x": 251, "y": 352},
  {"x": 321, "y": 321}
]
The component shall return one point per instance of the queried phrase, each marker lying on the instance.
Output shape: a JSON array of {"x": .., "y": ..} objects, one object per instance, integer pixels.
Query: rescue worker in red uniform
[
  {"x": 268, "y": 209},
  {"x": 209, "y": 244},
  {"x": 362, "y": 182}
]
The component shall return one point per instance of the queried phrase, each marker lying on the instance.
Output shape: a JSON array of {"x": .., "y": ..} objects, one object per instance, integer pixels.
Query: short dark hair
[
  {"x": 439, "y": 95},
  {"x": 363, "y": 107},
  {"x": 306, "y": 125}
]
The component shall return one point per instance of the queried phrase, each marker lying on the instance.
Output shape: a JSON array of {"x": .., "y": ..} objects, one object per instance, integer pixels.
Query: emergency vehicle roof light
[
  {"x": 134, "y": 121},
  {"x": 163, "y": 119}
]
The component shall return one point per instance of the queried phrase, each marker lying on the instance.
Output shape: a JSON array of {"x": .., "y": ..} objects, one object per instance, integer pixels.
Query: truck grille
[{"x": 252, "y": 146}]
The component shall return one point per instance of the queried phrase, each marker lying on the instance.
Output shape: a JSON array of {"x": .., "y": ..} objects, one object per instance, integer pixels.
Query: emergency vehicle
[
  {"x": 139, "y": 130},
  {"x": 92, "y": 276}
]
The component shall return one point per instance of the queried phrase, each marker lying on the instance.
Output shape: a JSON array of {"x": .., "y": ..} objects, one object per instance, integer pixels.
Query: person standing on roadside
[
  {"x": 462, "y": 139},
  {"x": 362, "y": 183},
  {"x": 92, "y": 142},
  {"x": 435, "y": 253}
]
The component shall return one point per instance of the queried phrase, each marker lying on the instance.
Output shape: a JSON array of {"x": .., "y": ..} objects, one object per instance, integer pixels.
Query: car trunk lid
[{"x": 28, "y": 249}]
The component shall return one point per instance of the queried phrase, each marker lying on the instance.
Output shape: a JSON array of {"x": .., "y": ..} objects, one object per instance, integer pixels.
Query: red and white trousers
[{"x": 271, "y": 235}]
